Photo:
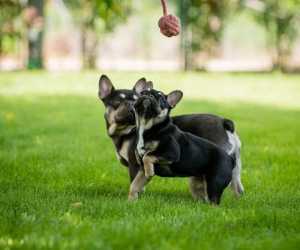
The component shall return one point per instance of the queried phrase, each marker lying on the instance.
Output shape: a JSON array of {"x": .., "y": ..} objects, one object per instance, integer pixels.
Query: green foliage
[
  {"x": 9, "y": 9},
  {"x": 206, "y": 20},
  {"x": 10, "y": 29},
  {"x": 280, "y": 19},
  {"x": 203, "y": 22},
  {"x": 100, "y": 13},
  {"x": 61, "y": 186},
  {"x": 95, "y": 17}
]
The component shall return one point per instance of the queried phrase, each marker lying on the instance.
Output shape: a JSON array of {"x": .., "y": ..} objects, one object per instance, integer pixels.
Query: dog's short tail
[{"x": 228, "y": 125}]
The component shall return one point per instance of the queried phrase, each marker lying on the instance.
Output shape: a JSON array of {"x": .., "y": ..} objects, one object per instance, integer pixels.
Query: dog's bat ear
[
  {"x": 105, "y": 87},
  {"x": 150, "y": 84},
  {"x": 174, "y": 97},
  {"x": 142, "y": 85}
]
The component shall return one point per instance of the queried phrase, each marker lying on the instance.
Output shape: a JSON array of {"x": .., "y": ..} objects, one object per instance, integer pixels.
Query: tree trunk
[
  {"x": 284, "y": 41},
  {"x": 89, "y": 45},
  {"x": 92, "y": 49},
  {"x": 35, "y": 36},
  {"x": 83, "y": 46},
  {"x": 276, "y": 56},
  {"x": 1, "y": 44},
  {"x": 186, "y": 35}
]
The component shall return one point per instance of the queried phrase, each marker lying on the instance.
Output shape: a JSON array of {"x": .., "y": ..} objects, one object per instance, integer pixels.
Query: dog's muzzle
[
  {"x": 125, "y": 113},
  {"x": 146, "y": 103}
]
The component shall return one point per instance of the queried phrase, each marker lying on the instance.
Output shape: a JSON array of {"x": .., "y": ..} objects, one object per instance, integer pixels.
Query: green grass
[{"x": 61, "y": 186}]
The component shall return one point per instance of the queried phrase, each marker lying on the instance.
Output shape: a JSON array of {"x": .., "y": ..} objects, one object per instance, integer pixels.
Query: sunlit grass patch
[
  {"x": 267, "y": 89},
  {"x": 61, "y": 186}
]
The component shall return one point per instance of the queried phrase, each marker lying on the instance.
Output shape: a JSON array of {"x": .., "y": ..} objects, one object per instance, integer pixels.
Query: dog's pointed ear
[
  {"x": 174, "y": 97},
  {"x": 142, "y": 85},
  {"x": 150, "y": 84},
  {"x": 105, "y": 87}
]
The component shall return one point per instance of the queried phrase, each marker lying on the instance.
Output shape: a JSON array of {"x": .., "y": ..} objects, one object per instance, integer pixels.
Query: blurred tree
[
  {"x": 95, "y": 17},
  {"x": 34, "y": 18},
  {"x": 9, "y": 11},
  {"x": 280, "y": 19},
  {"x": 203, "y": 22}
]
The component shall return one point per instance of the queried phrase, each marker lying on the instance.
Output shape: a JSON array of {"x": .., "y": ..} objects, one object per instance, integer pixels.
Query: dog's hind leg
[
  {"x": 198, "y": 188},
  {"x": 137, "y": 185}
]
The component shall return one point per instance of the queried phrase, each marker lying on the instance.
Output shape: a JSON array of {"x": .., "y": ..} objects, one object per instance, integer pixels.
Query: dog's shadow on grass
[
  {"x": 120, "y": 191},
  {"x": 99, "y": 190},
  {"x": 167, "y": 195}
]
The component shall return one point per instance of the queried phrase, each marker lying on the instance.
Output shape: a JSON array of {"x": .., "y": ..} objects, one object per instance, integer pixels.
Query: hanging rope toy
[{"x": 169, "y": 25}]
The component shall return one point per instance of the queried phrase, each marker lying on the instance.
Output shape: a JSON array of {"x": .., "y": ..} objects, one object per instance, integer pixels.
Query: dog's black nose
[{"x": 146, "y": 103}]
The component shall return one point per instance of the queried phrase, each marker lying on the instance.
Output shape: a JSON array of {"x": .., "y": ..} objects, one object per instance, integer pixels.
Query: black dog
[
  {"x": 172, "y": 152},
  {"x": 120, "y": 123}
]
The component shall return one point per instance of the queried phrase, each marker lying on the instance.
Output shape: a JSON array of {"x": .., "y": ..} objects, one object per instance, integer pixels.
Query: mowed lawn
[{"x": 61, "y": 186}]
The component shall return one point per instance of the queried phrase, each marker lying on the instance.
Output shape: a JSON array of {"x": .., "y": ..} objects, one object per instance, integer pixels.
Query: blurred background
[
  {"x": 61, "y": 186},
  {"x": 217, "y": 35}
]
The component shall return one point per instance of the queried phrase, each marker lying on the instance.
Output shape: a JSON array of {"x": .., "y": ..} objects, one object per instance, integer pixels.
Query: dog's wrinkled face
[
  {"x": 152, "y": 106},
  {"x": 119, "y": 112}
]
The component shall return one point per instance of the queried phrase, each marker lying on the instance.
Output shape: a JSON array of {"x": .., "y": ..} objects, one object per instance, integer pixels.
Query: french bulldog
[
  {"x": 164, "y": 149},
  {"x": 120, "y": 123}
]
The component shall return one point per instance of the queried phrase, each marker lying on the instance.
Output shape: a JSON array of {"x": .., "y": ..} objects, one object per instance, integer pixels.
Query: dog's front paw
[
  {"x": 133, "y": 196},
  {"x": 149, "y": 173}
]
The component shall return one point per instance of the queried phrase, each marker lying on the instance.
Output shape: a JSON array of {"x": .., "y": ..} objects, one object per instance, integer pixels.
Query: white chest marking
[
  {"x": 140, "y": 144},
  {"x": 143, "y": 147},
  {"x": 124, "y": 150},
  {"x": 143, "y": 125}
]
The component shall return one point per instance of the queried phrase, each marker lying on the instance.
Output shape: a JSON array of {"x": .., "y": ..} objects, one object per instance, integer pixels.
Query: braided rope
[{"x": 169, "y": 25}]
